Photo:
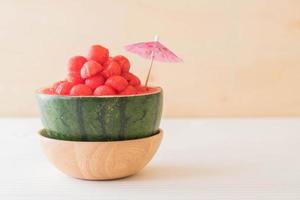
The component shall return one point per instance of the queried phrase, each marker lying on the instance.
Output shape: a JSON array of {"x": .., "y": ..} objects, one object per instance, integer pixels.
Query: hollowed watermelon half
[{"x": 101, "y": 118}]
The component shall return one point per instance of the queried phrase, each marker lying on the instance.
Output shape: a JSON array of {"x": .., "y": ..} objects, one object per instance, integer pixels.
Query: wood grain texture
[{"x": 100, "y": 160}]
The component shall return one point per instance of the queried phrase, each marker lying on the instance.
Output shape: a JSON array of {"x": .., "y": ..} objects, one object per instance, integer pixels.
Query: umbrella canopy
[{"x": 153, "y": 50}]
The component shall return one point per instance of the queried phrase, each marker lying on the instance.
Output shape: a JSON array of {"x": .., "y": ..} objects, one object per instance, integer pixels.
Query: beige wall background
[{"x": 242, "y": 57}]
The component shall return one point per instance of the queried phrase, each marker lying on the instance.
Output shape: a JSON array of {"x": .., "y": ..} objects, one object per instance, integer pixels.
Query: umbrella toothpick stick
[
  {"x": 156, "y": 38},
  {"x": 148, "y": 75}
]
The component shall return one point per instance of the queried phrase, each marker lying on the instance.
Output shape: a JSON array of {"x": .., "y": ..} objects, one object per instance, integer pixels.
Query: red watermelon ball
[
  {"x": 56, "y": 84},
  {"x": 64, "y": 88},
  {"x": 129, "y": 90},
  {"x": 98, "y": 53},
  {"x": 118, "y": 83},
  {"x": 90, "y": 68},
  {"x": 47, "y": 91},
  {"x": 104, "y": 90},
  {"x": 107, "y": 62},
  {"x": 75, "y": 78},
  {"x": 150, "y": 89},
  {"x": 75, "y": 63},
  {"x": 112, "y": 69},
  {"x": 141, "y": 89},
  {"x": 123, "y": 62},
  {"x": 81, "y": 90},
  {"x": 132, "y": 79},
  {"x": 95, "y": 81}
]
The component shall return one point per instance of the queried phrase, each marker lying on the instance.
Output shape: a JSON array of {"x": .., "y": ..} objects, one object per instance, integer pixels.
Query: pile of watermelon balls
[{"x": 98, "y": 74}]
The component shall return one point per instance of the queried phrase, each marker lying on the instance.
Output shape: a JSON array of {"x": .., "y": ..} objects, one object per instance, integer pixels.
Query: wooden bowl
[
  {"x": 100, "y": 160},
  {"x": 101, "y": 118}
]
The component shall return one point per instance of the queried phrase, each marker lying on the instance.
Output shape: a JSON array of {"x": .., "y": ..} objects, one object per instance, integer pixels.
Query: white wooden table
[{"x": 199, "y": 159}]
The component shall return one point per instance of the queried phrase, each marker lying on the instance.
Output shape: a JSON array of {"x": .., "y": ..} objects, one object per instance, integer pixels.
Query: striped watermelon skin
[{"x": 101, "y": 118}]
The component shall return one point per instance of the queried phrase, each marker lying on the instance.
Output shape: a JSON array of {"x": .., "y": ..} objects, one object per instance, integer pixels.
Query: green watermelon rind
[{"x": 101, "y": 118}]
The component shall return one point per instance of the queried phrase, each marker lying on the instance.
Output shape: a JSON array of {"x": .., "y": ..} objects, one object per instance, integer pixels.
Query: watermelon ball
[
  {"x": 150, "y": 89},
  {"x": 129, "y": 90},
  {"x": 118, "y": 83},
  {"x": 64, "y": 88},
  {"x": 107, "y": 62},
  {"x": 90, "y": 68},
  {"x": 132, "y": 79},
  {"x": 98, "y": 53},
  {"x": 75, "y": 63},
  {"x": 47, "y": 91},
  {"x": 75, "y": 78},
  {"x": 81, "y": 90},
  {"x": 123, "y": 62},
  {"x": 141, "y": 89},
  {"x": 56, "y": 84},
  {"x": 95, "y": 81},
  {"x": 112, "y": 69},
  {"x": 104, "y": 90}
]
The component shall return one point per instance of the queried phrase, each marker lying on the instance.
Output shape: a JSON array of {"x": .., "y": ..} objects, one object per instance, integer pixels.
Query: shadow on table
[{"x": 167, "y": 172}]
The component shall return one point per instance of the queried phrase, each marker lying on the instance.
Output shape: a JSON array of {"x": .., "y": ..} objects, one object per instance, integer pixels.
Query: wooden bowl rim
[
  {"x": 157, "y": 90},
  {"x": 158, "y": 134}
]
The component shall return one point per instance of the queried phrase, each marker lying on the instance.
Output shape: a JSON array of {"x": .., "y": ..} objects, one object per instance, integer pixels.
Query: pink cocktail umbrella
[{"x": 153, "y": 50}]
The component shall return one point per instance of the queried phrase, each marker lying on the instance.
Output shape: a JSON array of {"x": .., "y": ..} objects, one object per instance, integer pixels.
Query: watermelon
[
  {"x": 107, "y": 118},
  {"x": 104, "y": 90}
]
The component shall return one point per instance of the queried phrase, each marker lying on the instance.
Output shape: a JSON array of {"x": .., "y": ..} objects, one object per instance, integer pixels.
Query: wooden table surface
[{"x": 199, "y": 159}]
